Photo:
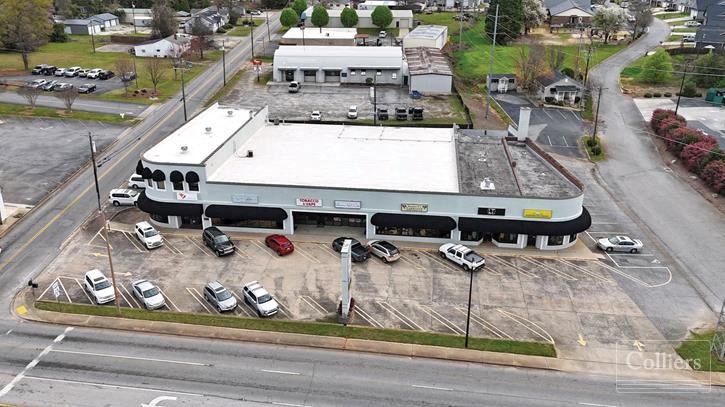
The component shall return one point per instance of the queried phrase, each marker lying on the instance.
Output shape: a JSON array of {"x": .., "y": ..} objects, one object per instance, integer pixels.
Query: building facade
[
  {"x": 169, "y": 47},
  {"x": 226, "y": 168}
]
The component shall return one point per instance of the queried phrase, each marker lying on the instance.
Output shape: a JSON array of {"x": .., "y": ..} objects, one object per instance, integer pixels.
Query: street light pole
[
  {"x": 105, "y": 222},
  {"x": 224, "y": 63},
  {"x": 468, "y": 314},
  {"x": 251, "y": 35},
  {"x": 596, "y": 118},
  {"x": 269, "y": 36},
  {"x": 133, "y": 16},
  {"x": 375, "y": 101},
  {"x": 682, "y": 85},
  {"x": 183, "y": 94}
]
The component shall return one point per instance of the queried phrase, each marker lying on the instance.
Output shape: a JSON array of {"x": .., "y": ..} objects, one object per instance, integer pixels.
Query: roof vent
[
  {"x": 250, "y": 153},
  {"x": 487, "y": 185},
  {"x": 208, "y": 129},
  {"x": 184, "y": 148},
  {"x": 230, "y": 113}
]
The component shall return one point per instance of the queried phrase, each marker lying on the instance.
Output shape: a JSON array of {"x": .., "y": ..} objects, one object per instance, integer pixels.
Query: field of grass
[
  {"x": 310, "y": 328},
  {"x": 631, "y": 72},
  {"x": 244, "y": 30},
  {"x": 667, "y": 16},
  {"x": 685, "y": 29},
  {"x": 25, "y": 111},
  {"x": 697, "y": 348}
]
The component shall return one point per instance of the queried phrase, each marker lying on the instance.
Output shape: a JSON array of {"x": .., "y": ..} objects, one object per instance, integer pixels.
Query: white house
[
  {"x": 325, "y": 36},
  {"x": 130, "y": 14},
  {"x": 208, "y": 17},
  {"x": 82, "y": 26},
  {"x": 168, "y": 47},
  {"x": 371, "y": 4},
  {"x": 427, "y": 36}
]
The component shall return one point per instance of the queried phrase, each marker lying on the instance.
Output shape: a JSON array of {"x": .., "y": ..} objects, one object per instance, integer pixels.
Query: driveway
[
  {"x": 556, "y": 130},
  {"x": 699, "y": 114}
]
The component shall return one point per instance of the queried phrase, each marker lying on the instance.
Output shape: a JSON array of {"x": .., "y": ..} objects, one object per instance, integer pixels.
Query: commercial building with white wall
[
  {"x": 338, "y": 64},
  {"x": 315, "y": 36},
  {"x": 427, "y": 36},
  {"x": 402, "y": 19},
  {"x": 234, "y": 169},
  {"x": 429, "y": 71}
]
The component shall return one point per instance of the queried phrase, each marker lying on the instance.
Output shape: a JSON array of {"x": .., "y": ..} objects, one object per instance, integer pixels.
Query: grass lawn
[
  {"x": 685, "y": 29},
  {"x": 630, "y": 73},
  {"x": 590, "y": 150},
  {"x": 587, "y": 113},
  {"x": 25, "y": 111},
  {"x": 244, "y": 30},
  {"x": 667, "y": 16},
  {"x": 697, "y": 348},
  {"x": 311, "y": 328}
]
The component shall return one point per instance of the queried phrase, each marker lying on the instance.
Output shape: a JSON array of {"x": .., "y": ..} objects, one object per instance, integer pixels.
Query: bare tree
[
  {"x": 124, "y": 66},
  {"x": 203, "y": 35},
  {"x": 30, "y": 94},
  {"x": 176, "y": 54},
  {"x": 642, "y": 16},
  {"x": 156, "y": 71},
  {"x": 555, "y": 58},
  {"x": 530, "y": 65},
  {"x": 68, "y": 96}
]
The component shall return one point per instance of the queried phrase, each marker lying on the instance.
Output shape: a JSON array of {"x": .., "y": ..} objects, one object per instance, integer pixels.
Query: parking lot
[
  {"x": 699, "y": 114},
  {"x": 102, "y": 86},
  {"x": 332, "y": 101}
]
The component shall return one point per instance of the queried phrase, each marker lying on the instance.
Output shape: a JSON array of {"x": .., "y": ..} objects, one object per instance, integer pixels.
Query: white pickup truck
[{"x": 462, "y": 255}]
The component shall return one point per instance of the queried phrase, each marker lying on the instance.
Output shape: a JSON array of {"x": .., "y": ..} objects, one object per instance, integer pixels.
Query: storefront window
[
  {"x": 471, "y": 236},
  {"x": 572, "y": 238},
  {"x": 555, "y": 241},
  {"x": 178, "y": 186},
  {"x": 414, "y": 232},
  {"x": 506, "y": 237},
  {"x": 251, "y": 223},
  {"x": 159, "y": 218},
  {"x": 160, "y": 185}
]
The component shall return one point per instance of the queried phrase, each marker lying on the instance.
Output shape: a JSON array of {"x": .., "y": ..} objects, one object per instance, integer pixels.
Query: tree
[
  {"x": 299, "y": 6},
  {"x": 608, "y": 21},
  {"x": 530, "y": 65},
  {"x": 24, "y": 25},
  {"x": 203, "y": 35},
  {"x": 30, "y": 94},
  {"x": 707, "y": 66},
  {"x": 289, "y": 18},
  {"x": 510, "y": 20},
  {"x": 320, "y": 18},
  {"x": 274, "y": 4},
  {"x": 233, "y": 17},
  {"x": 68, "y": 96},
  {"x": 348, "y": 17},
  {"x": 656, "y": 68},
  {"x": 163, "y": 23},
  {"x": 641, "y": 11},
  {"x": 58, "y": 34},
  {"x": 534, "y": 14},
  {"x": 555, "y": 58},
  {"x": 382, "y": 16},
  {"x": 123, "y": 66},
  {"x": 156, "y": 70}
]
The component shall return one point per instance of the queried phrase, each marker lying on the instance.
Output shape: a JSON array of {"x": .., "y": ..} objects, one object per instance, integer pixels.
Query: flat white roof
[
  {"x": 338, "y": 156},
  {"x": 314, "y": 33},
  {"x": 337, "y": 57},
  {"x": 199, "y": 142},
  {"x": 427, "y": 31}
]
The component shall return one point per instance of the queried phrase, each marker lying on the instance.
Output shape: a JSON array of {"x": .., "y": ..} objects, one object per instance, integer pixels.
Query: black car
[
  {"x": 39, "y": 69},
  {"x": 217, "y": 241},
  {"x": 86, "y": 88},
  {"x": 106, "y": 75},
  {"x": 382, "y": 114},
  {"x": 359, "y": 253},
  {"x": 49, "y": 70}
]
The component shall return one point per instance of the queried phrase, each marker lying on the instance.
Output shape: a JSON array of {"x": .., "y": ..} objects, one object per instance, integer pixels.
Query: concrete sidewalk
[{"x": 23, "y": 307}]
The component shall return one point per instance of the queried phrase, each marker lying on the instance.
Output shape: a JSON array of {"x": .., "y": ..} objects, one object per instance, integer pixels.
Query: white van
[{"x": 136, "y": 181}]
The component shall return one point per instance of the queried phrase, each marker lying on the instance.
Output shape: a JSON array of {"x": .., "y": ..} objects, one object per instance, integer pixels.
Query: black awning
[
  {"x": 526, "y": 227},
  {"x": 139, "y": 167},
  {"x": 158, "y": 175},
  {"x": 167, "y": 208},
  {"x": 233, "y": 212},
  {"x": 413, "y": 221},
  {"x": 176, "y": 176},
  {"x": 192, "y": 177},
  {"x": 146, "y": 173}
]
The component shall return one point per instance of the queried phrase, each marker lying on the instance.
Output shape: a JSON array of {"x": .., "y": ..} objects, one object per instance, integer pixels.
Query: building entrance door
[{"x": 191, "y": 222}]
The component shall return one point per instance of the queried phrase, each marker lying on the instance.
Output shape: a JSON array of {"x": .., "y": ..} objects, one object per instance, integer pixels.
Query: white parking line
[
  {"x": 420, "y": 386},
  {"x": 84, "y": 290},
  {"x": 240, "y": 304},
  {"x": 549, "y": 268},
  {"x": 281, "y": 372},
  {"x": 284, "y": 309},
  {"x": 124, "y": 297},
  {"x": 565, "y": 143},
  {"x": 106, "y": 355},
  {"x": 399, "y": 315},
  {"x": 437, "y": 260},
  {"x": 104, "y": 239},
  {"x": 126, "y": 235},
  {"x": 314, "y": 304},
  {"x": 47, "y": 288},
  {"x": 367, "y": 317},
  {"x": 264, "y": 248},
  {"x": 442, "y": 320},
  {"x": 328, "y": 250},
  {"x": 306, "y": 255},
  {"x": 197, "y": 246},
  {"x": 169, "y": 299},
  {"x": 576, "y": 117},
  {"x": 172, "y": 248},
  {"x": 415, "y": 265},
  {"x": 241, "y": 253},
  {"x": 192, "y": 291},
  {"x": 94, "y": 237},
  {"x": 547, "y": 113},
  {"x": 549, "y": 138},
  {"x": 66, "y": 292},
  {"x": 562, "y": 114},
  {"x": 485, "y": 324},
  {"x": 132, "y": 297},
  {"x": 537, "y": 330},
  {"x": 512, "y": 266},
  {"x": 585, "y": 271}
]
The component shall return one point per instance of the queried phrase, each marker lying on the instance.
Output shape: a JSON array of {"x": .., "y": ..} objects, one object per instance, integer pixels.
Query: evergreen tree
[
  {"x": 510, "y": 20},
  {"x": 348, "y": 17},
  {"x": 320, "y": 18},
  {"x": 656, "y": 68},
  {"x": 382, "y": 16}
]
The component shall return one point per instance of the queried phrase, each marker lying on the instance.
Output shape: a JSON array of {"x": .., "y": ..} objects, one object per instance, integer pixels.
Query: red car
[{"x": 279, "y": 244}]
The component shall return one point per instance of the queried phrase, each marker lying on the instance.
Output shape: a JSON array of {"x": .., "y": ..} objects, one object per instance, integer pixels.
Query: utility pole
[
  {"x": 596, "y": 117},
  {"x": 224, "y": 62},
  {"x": 586, "y": 71},
  {"x": 182, "y": 68},
  {"x": 105, "y": 222},
  {"x": 682, "y": 85},
  {"x": 251, "y": 35},
  {"x": 375, "y": 101},
  {"x": 133, "y": 18},
  {"x": 468, "y": 315},
  {"x": 460, "y": 32},
  {"x": 93, "y": 40},
  {"x": 490, "y": 66},
  {"x": 269, "y": 36}
]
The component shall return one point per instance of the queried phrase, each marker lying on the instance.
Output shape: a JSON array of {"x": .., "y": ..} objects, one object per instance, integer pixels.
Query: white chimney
[{"x": 523, "y": 131}]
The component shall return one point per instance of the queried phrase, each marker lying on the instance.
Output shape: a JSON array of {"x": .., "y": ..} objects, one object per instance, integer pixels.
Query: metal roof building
[
  {"x": 429, "y": 71},
  {"x": 429, "y": 36}
]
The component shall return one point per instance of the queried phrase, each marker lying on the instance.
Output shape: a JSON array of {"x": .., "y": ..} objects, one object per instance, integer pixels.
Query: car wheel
[
  {"x": 385, "y": 260},
  {"x": 443, "y": 255},
  {"x": 279, "y": 254},
  {"x": 134, "y": 186},
  {"x": 266, "y": 243},
  {"x": 633, "y": 251},
  {"x": 466, "y": 268},
  {"x": 609, "y": 249},
  {"x": 219, "y": 308},
  {"x": 259, "y": 313},
  {"x": 116, "y": 203},
  {"x": 218, "y": 254}
]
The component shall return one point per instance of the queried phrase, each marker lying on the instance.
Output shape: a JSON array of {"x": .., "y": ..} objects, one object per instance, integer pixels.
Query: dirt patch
[
  {"x": 638, "y": 91},
  {"x": 476, "y": 105}
]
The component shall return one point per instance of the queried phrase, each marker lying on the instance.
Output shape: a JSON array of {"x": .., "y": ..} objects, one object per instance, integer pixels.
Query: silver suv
[{"x": 221, "y": 298}]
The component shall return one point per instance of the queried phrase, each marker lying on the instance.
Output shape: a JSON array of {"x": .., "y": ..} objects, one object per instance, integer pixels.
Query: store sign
[
  {"x": 309, "y": 202},
  {"x": 537, "y": 213},
  {"x": 187, "y": 196},
  {"x": 245, "y": 198},
  {"x": 348, "y": 204},
  {"x": 492, "y": 211},
  {"x": 413, "y": 207}
]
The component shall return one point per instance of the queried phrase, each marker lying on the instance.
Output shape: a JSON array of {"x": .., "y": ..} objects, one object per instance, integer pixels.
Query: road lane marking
[
  {"x": 279, "y": 403},
  {"x": 437, "y": 260},
  {"x": 585, "y": 271},
  {"x": 167, "y": 297},
  {"x": 328, "y": 250},
  {"x": 415, "y": 265},
  {"x": 549, "y": 138},
  {"x": 124, "y": 298},
  {"x": 48, "y": 288},
  {"x": 107, "y": 355},
  {"x": 8, "y": 387},
  {"x": 94, "y": 237},
  {"x": 189, "y": 290},
  {"x": 596, "y": 405},
  {"x": 281, "y": 372},
  {"x": 8, "y": 332},
  {"x": 173, "y": 249},
  {"x": 420, "y": 386},
  {"x": 281, "y": 307},
  {"x": 115, "y": 386},
  {"x": 84, "y": 290},
  {"x": 243, "y": 254}
]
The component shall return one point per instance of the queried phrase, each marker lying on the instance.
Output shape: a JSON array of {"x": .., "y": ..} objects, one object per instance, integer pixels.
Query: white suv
[
  {"x": 120, "y": 197},
  {"x": 72, "y": 71},
  {"x": 93, "y": 73},
  {"x": 99, "y": 288},
  {"x": 136, "y": 181},
  {"x": 260, "y": 299},
  {"x": 150, "y": 237}
]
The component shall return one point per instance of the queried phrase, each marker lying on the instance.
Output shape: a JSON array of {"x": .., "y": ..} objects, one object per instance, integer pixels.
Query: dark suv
[
  {"x": 358, "y": 252},
  {"x": 217, "y": 241}
]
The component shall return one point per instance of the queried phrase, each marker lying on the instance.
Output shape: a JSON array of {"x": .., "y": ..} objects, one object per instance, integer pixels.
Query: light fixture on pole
[{"x": 468, "y": 314}]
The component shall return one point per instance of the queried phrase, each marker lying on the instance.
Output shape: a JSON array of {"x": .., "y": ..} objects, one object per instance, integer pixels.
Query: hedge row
[{"x": 699, "y": 152}]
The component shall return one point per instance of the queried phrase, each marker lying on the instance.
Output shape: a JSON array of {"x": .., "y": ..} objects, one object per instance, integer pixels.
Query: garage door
[
  {"x": 310, "y": 75},
  {"x": 332, "y": 76}
]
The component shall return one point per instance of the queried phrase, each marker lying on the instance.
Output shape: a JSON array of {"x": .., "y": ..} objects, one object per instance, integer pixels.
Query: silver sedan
[{"x": 620, "y": 244}]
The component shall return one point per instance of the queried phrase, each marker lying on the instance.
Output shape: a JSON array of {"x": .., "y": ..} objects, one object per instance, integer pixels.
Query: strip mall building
[{"x": 234, "y": 169}]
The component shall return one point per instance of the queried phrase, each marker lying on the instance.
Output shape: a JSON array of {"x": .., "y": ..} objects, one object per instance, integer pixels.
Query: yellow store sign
[{"x": 537, "y": 213}]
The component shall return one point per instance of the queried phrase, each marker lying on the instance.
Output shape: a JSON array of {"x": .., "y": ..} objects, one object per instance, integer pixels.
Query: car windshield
[
  {"x": 284, "y": 244},
  {"x": 221, "y": 239},
  {"x": 473, "y": 257},
  {"x": 151, "y": 233},
  {"x": 613, "y": 240},
  {"x": 102, "y": 285},
  {"x": 265, "y": 298},
  {"x": 152, "y": 292},
  {"x": 133, "y": 193},
  {"x": 223, "y": 295}
]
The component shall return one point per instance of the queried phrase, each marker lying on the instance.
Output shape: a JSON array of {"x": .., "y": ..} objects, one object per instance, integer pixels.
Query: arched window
[
  {"x": 159, "y": 177},
  {"x": 192, "y": 178},
  {"x": 177, "y": 180}
]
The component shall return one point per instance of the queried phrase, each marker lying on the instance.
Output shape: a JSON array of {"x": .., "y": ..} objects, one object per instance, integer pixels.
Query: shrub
[
  {"x": 698, "y": 95},
  {"x": 228, "y": 26},
  {"x": 648, "y": 95},
  {"x": 668, "y": 94},
  {"x": 658, "y": 115},
  {"x": 597, "y": 150},
  {"x": 669, "y": 124},
  {"x": 689, "y": 90},
  {"x": 591, "y": 142},
  {"x": 549, "y": 99},
  {"x": 714, "y": 175},
  {"x": 221, "y": 30},
  {"x": 693, "y": 155},
  {"x": 675, "y": 139},
  {"x": 657, "y": 94}
]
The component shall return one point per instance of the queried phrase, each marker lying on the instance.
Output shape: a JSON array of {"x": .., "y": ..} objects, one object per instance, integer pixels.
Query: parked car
[
  {"x": 49, "y": 85},
  {"x": 692, "y": 23},
  {"x": 150, "y": 237},
  {"x": 221, "y": 298},
  {"x": 98, "y": 287},
  {"x": 136, "y": 181},
  {"x": 352, "y": 112},
  {"x": 93, "y": 73},
  {"x": 620, "y": 244},
  {"x": 83, "y": 72},
  {"x": 401, "y": 113},
  {"x": 462, "y": 255},
  {"x": 37, "y": 83},
  {"x": 386, "y": 251},
  {"x": 280, "y": 244},
  {"x": 383, "y": 114},
  {"x": 72, "y": 71},
  {"x": 59, "y": 72},
  {"x": 316, "y": 116},
  {"x": 260, "y": 299},
  {"x": 293, "y": 87},
  {"x": 120, "y": 197},
  {"x": 128, "y": 76},
  {"x": 417, "y": 113},
  {"x": 358, "y": 252},
  {"x": 87, "y": 88},
  {"x": 688, "y": 38},
  {"x": 217, "y": 241},
  {"x": 49, "y": 70},
  {"x": 39, "y": 69},
  {"x": 148, "y": 294},
  {"x": 256, "y": 12},
  {"x": 103, "y": 75},
  {"x": 382, "y": 34},
  {"x": 63, "y": 86}
]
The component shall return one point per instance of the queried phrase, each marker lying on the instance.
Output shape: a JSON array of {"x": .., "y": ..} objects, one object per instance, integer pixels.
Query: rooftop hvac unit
[
  {"x": 230, "y": 113},
  {"x": 208, "y": 129},
  {"x": 250, "y": 153},
  {"x": 184, "y": 148}
]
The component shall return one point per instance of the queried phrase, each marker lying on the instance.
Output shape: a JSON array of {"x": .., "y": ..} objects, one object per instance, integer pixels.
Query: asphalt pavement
[{"x": 82, "y": 103}]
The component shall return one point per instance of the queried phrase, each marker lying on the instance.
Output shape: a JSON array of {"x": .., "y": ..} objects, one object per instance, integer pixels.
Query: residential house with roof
[
  {"x": 210, "y": 17},
  {"x": 698, "y": 8},
  {"x": 556, "y": 87},
  {"x": 501, "y": 82},
  {"x": 170, "y": 47},
  {"x": 82, "y": 26},
  {"x": 569, "y": 13},
  {"x": 712, "y": 32}
]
